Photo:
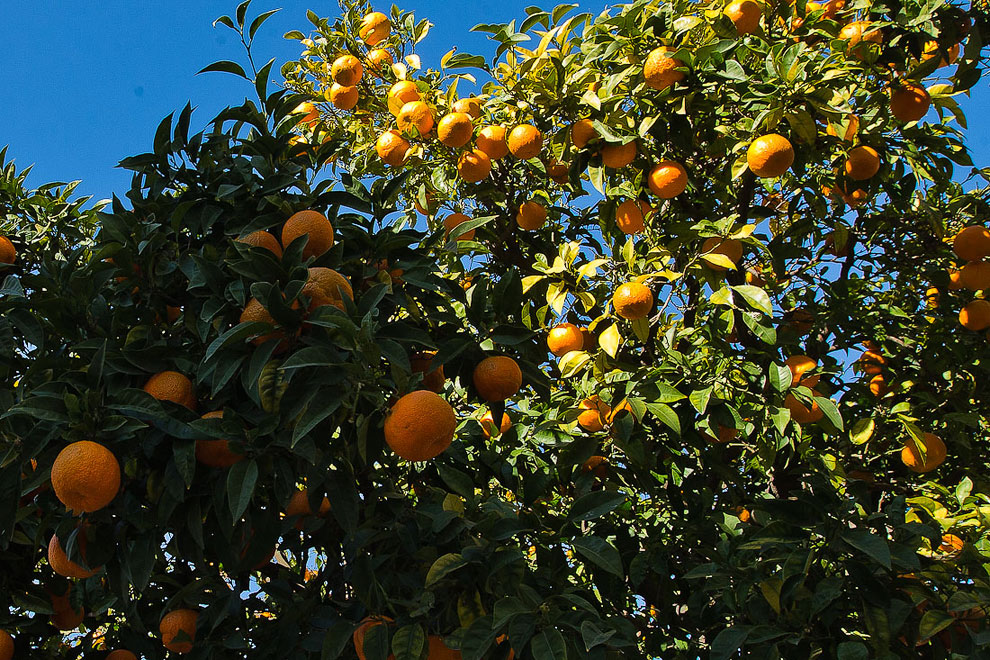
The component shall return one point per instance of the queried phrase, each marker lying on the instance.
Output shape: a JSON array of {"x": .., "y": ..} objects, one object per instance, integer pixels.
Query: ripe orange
[
  {"x": 799, "y": 366},
  {"x": 8, "y": 253},
  {"x": 858, "y": 31},
  {"x": 299, "y": 506},
  {"x": 420, "y": 426},
  {"x": 862, "y": 163},
  {"x": 440, "y": 651},
  {"x": 491, "y": 140},
  {"x": 310, "y": 114},
  {"x": 667, "y": 179},
  {"x": 362, "y": 630},
  {"x": 770, "y": 156},
  {"x": 932, "y": 296},
  {"x": 121, "y": 654},
  {"x": 583, "y": 131},
  {"x": 934, "y": 454},
  {"x": 525, "y": 141},
  {"x": 623, "y": 405},
  {"x": 455, "y": 219},
  {"x": 660, "y": 70},
  {"x": 596, "y": 464},
  {"x": 346, "y": 70},
  {"x": 342, "y": 97},
  {"x": 415, "y": 118},
  {"x": 85, "y": 476},
  {"x": 975, "y": 315},
  {"x": 972, "y": 243},
  {"x": 745, "y": 15},
  {"x": 565, "y": 338},
  {"x": 325, "y": 286},
  {"x": 401, "y": 93},
  {"x": 312, "y": 224},
  {"x": 6, "y": 646},
  {"x": 878, "y": 385},
  {"x": 871, "y": 362},
  {"x": 64, "y": 617},
  {"x": 172, "y": 386},
  {"x": 497, "y": 378},
  {"x": 743, "y": 514},
  {"x": 263, "y": 239},
  {"x": 800, "y": 413},
  {"x": 253, "y": 312},
  {"x": 630, "y": 216},
  {"x": 474, "y": 166},
  {"x": 375, "y": 27},
  {"x": 932, "y": 50},
  {"x": 455, "y": 129},
  {"x": 975, "y": 275},
  {"x": 909, "y": 102},
  {"x": 379, "y": 60},
  {"x": 725, "y": 434},
  {"x": 832, "y": 8},
  {"x": 216, "y": 453},
  {"x": 617, "y": 156},
  {"x": 422, "y": 363},
  {"x": 531, "y": 215},
  {"x": 470, "y": 105},
  {"x": 728, "y": 247},
  {"x": 632, "y": 301},
  {"x": 391, "y": 148},
  {"x": 852, "y": 128},
  {"x": 558, "y": 172},
  {"x": 951, "y": 544},
  {"x": 60, "y": 562},
  {"x": 595, "y": 413},
  {"x": 178, "y": 629},
  {"x": 488, "y": 425}
]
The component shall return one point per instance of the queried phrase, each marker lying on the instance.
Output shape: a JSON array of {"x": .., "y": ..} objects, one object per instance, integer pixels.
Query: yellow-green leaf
[{"x": 610, "y": 340}]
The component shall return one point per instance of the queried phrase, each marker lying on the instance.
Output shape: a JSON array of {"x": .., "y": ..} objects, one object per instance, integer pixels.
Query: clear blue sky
[{"x": 86, "y": 84}]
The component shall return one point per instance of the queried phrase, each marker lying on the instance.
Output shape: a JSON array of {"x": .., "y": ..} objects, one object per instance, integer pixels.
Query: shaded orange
[
  {"x": 85, "y": 476},
  {"x": 176, "y": 623},
  {"x": 313, "y": 224},
  {"x": 420, "y": 426},
  {"x": 497, "y": 378}
]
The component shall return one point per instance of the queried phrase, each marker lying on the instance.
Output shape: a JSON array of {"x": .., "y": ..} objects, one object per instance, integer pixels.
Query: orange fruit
[
  {"x": 660, "y": 70},
  {"x": 455, "y": 219},
  {"x": 310, "y": 114},
  {"x": 6, "y": 646},
  {"x": 362, "y": 630},
  {"x": 299, "y": 506},
  {"x": 380, "y": 60},
  {"x": 769, "y": 156},
  {"x": 85, "y": 476},
  {"x": 565, "y": 338},
  {"x": 667, "y": 179},
  {"x": 799, "y": 366},
  {"x": 833, "y": 7},
  {"x": 491, "y": 140},
  {"x": 932, "y": 296},
  {"x": 594, "y": 414},
  {"x": 860, "y": 31},
  {"x": 346, "y": 70},
  {"x": 617, "y": 156},
  {"x": 878, "y": 385},
  {"x": 800, "y": 413},
  {"x": 596, "y": 464},
  {"x": 178, "y": 629},
  {"x": 120, "y": 654},
  {"x": 8, "y": 253},
  {"x": 871, "y": 362},
  {"x": 343, "y": 97},
  {"x": 488, "y": 424},
  {"x": 909, "y": 102},
  {"x": 799, "y": 320},
  {"x": 172, "y": 386},
  {"x": 374, "y": 28},
  {"x": 755, "y": 277},
  {"x": 582, "y": 131},
  {"x": 439, "y": 651},
  {"x": 862, "y": 163},
  {"x": 743, "y": 514},
  {"x": 312, "y": 224},
  {"x": 852, "y": 128},
  {"x": 972, "y": 243},
  {"x": 745, "y": 15},
  {"x": 63, "y": 616},
  {"x": 955, "y": 280},
  {"x": 934, "y": 454},
  {"x": 325, "y": 286},
  {"x": 975, "y": 315},
  {"x": 263, "y": 239},
  {"x": 420, "y": 426},
  {"x": 727, "y": 247},
  {"x": 558, "y": 172},
  {"x": 531, "y": 215},
  {"x": 455, "y": 129},
  {"x": 172, "y": 313},
  {"x": 932, "y": 50},
  {"x": 632, "y": 301},
  {"x": 216, "y": 453},
  {"x": 474, "y": 166},
  {"x": 630, "y": 216},
  {"x": 624, "y": 405},
  {"x": 725, "y": 434},
  {"x": 951, "y": 544},
  {"x": 60, "y": 562},
  {"x": 422, "y": 363},
  {"x": 401, "y": 93},
  {"x": 497, "y": 378},
  {"x": 391, "y": 148},
  {"x": 470, "y": 105},
  {"x": 415, "y": 118},
  {"x": 975, "y": 275},
  {"x": 525, "y": 141},
  {"x": 254, "y": 312}
]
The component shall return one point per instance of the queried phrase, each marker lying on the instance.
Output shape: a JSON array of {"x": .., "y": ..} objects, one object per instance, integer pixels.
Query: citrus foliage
[{"x": 700, "y": 264}]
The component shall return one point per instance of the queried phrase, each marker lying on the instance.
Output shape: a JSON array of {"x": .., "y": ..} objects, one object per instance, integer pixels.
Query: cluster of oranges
[{"x": 972, "y": 245}]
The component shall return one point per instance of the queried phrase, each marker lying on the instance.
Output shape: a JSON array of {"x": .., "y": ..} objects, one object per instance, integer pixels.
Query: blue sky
[{"x": 86, "y": 84}]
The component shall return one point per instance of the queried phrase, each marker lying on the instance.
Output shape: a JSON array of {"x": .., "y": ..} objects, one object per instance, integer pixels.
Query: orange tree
[{"x": 669, "y": 343}]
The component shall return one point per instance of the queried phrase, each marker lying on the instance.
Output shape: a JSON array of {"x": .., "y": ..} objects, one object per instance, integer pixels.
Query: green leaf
[
  {"x": 337, "y": 637},
  {"x": 592, "y": 636},
  {"x": 548, "y": 644},
  {"x": 444, "y": 566},
  {"x": 408, "y": 642},
  {"x": 728, "y": 641},
  {"x": 870, "y": 544},
  {"x": 610, "y": 339},
  {"x": 595, "y": 504},
  {"x": 934, "y": 621},
  {"x": 722, "y": 297},
  {"x": 259, "y": 21},
  {"x": 862, "y": 431},
  {"x": 241, "y": 479},
  {"x": 852, "y": 651},
  {"x": 831, "y": 412},
  {"x": 780, "y": 377},
  {"x": 225, "y": 66},
  {"x": 756, "y": 297},
  {"x": 699, "y": 399},
  {"x": 600, "y": 552},
  {"x": 665, "y": 414}
]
